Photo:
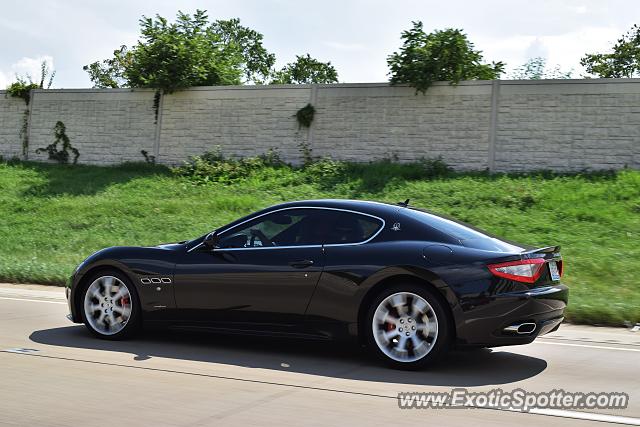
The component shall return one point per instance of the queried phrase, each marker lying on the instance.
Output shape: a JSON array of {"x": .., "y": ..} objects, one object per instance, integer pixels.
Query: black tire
[
  {"x": 442, "y": 341},
  {"x": 133, "y": 324}
]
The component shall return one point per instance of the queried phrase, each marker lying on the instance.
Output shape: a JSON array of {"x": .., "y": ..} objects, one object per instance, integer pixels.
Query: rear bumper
[{"x": 485, "y": 324}]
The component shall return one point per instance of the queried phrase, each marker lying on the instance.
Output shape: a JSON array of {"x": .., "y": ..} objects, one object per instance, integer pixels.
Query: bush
[
  {"x": 212, "y": 166},
  {"x": 325, "y": 169},
  {"x": 434, "y": 168},
  {"x": 22, "y": 89}
]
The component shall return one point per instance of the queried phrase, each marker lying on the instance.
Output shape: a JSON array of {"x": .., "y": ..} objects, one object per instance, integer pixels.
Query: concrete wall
[
  {"x": 106, "y": 126},
  {"x": 241, "y": 121},
  {"x": 12, "y": 116},
  {"x": 565, "y": 125},
  {"x": 568, "y": 125},
  {"x": 361, "y": 122}
]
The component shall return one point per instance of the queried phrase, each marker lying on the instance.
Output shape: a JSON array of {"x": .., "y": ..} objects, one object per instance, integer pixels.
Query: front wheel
[
  {"x": 408, "y": 326},
  {"x": 110, "y": 306}
]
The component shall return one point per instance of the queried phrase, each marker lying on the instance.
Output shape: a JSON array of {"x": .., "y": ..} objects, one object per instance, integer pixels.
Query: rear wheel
[
  {"x": 408, "y": 326},
  {"x": 110, "y": 306}
]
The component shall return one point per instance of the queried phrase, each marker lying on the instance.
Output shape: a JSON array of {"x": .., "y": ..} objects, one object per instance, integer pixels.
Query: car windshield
[{"x": 465, "y": 234}]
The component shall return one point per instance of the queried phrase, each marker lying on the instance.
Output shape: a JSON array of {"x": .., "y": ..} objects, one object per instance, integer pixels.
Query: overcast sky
[{"x": 355, "y": 35}]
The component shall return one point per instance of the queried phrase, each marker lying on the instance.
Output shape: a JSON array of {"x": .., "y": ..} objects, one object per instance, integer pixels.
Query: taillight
[
  {"x": 560, "y": 267},
  {"x": 526, "y": 270}
]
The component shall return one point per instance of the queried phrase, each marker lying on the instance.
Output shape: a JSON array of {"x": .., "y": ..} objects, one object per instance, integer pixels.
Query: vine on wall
[
  {"x": 148, "y": 158},
  {"x": 156, "y": 105},
  {"x": 61, "y": 156},
  {"x": 22, "y": 88},
  {"x": 24, "y": 132},
  {"x": 305, "y": 115}
]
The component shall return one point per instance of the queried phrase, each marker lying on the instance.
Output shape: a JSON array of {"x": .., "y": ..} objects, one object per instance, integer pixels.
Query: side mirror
[{"x": 211, "y": 240}]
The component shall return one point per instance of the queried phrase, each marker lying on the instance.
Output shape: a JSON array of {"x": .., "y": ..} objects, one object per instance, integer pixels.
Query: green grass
[{"x": 52, "y": 217}]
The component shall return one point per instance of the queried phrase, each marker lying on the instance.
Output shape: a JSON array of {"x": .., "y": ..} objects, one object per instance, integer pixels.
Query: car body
[{"x": 313, "y": 269}]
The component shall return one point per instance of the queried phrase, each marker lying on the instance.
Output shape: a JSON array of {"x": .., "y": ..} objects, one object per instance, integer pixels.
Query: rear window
[
  {"x": 463, "y": 233},
  {"x": 352, "y": 228}
]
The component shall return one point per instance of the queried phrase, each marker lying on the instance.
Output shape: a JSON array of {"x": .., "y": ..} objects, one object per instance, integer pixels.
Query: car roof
[
  {"x": 364, "y": 206},
  {"x": 378, "y": 209}
]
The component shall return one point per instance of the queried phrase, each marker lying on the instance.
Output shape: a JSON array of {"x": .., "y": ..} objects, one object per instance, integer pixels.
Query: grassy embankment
[{"x": 52, "y": 217}]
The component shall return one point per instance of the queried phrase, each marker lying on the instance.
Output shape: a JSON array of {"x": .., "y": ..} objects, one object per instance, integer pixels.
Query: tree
[
  {"x": 306, "y": 69},
  {"x": 536, "y": 69},
  {"x": 257, "y": 61},
  {"x": 188, "y": 52},
  {"x": 445, "y": 55},
  {"x": 109, "y": 73},
  {"x": 624, "y": 61}
]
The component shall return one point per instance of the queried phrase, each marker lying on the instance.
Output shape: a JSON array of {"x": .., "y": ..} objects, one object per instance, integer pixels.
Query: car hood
[{"x": 171, "y": 246}]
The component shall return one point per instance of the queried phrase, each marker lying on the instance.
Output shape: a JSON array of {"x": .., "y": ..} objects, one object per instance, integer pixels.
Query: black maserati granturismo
[{"x": 407, "y": 283}]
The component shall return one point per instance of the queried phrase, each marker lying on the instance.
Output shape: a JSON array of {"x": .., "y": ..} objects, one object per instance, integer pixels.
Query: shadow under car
[{"x": 460, "y": 368}]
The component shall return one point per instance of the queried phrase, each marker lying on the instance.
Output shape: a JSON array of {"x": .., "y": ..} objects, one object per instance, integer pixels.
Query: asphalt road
[{"x": 53, "y": 373}]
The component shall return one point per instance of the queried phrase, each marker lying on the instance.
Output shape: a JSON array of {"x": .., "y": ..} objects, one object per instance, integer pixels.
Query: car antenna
[{"x": 404, "y": 204}]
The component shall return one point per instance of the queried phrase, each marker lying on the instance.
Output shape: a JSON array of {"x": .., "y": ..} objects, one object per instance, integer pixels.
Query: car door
[
  {"x": 262, "y": 273},
  {"x": 349, "y": 259}
]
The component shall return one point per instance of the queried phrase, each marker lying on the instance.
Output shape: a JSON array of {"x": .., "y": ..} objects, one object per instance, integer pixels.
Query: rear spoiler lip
[
  {"x": 547, "y": 252},
  {"x": 543, "y": 250}
]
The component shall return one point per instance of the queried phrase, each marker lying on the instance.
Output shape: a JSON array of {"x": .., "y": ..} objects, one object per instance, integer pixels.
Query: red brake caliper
[{"x": 124, "y": 301}]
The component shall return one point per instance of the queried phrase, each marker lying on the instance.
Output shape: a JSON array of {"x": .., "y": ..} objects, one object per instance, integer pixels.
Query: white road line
[
  {"x": 33, "y": 300},
  {"x": 561, "y": 413},
  {"x": 601, "y": 347},
  {"x": 586, "y": 341},
  {"x": 587, "y": 416}
]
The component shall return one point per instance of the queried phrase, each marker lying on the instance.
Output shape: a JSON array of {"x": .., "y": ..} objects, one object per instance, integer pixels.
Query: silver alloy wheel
[
  {"x": 107, "y": 305},
  {"x": 405, "y": 327}
]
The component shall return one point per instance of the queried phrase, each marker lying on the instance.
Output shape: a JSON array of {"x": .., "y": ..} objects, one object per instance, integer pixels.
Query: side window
[
  {"x": 290, "y": 227},
  {"x": 353, "y": 228}
]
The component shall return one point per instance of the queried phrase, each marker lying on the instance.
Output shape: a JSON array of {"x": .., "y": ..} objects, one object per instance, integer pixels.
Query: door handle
[{"x": 301, "y": 264}]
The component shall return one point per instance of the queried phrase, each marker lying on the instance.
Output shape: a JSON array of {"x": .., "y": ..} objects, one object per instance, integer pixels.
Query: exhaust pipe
[{"x": 521, "y": 328}]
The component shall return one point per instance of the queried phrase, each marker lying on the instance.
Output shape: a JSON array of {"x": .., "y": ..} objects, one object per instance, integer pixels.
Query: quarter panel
[{"x": 352, "y": 270}]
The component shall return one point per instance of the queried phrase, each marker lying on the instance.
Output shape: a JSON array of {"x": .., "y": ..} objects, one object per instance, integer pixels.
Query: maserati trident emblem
[{"x": 396, "y": 226}]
